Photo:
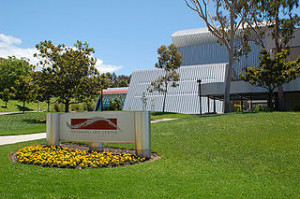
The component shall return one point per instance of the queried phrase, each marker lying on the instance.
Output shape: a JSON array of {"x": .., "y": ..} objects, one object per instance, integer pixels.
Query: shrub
[
  {"x": 237, "y": 108},
  {"x": 261, "y": 108},
  {"x": 57, "y": 107},
  {"x": 296, "y": 108},
  {"x": 115, "y": 104}
]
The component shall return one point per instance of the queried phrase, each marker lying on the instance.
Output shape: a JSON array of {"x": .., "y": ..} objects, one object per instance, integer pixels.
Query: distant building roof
[{"x": 115, "y": 90}]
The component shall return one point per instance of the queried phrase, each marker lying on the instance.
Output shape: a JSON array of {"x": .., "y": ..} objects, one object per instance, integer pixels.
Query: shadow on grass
[
  {"x": 21, "y": 108},
  {"x": 34, "y": 121},
  {"x": 226, "y": 114},
  {"x": 3, "y": 106},
  {"x": 162, "y": 113}
]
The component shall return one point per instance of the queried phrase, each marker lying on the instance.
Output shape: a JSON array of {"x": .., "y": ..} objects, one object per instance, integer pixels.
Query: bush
[
  {"x": 59, "y": 107},
  {"x": 296, "y": 108},
  {"x": 115, "y": 104},
  {"x": 237, "y": 108},
  {"x": 89, "y": 106},
  {"x": 261, "y": 108}
]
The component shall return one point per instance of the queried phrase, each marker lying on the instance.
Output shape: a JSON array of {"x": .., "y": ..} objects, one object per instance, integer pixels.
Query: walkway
[
  {"x": 15, "y": 112},
  {"x": 12, "y": 139}
]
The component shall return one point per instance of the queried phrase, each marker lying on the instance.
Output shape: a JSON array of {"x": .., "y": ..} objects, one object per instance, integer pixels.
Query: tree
[
  {"x": 275, "y": 18},
  {"x": 116, "y": 104},
  {"x": 68, "y": 69},
  {"x": 229, "y": 16},
  {"x": 10, "y": 70},
  {"x": 169, "y": 60},
  {"x": 119, "y": 80},
  {"x": 44, "y": 87},
  {"x": 272, "y": 72},
  {"x": 123, "y": 83},
  {"x": 24, "y": 89},
  {"x": 6, "y": 95}
]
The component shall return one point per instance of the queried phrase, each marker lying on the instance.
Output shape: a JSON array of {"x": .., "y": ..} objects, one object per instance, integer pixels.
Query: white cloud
[
  {"x": 103, "y": 68},
  {"x": 9, "y": 47}
]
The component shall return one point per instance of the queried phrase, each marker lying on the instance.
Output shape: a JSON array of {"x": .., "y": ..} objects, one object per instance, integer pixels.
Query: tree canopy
[
  {"x": 272, "y": 72},
  {"x": 68, "y": 69},
  {"x": 169, "y": 60}
]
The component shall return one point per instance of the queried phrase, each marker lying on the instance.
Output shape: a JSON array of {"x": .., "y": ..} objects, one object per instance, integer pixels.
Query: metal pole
[
  {"x": 101, "y": 95},
  {"x": 242, "y": 103},
  {"x": 208, "y": 104},
  {"x": 199, "y": 93},
  {"x": 215, "y": 104}
]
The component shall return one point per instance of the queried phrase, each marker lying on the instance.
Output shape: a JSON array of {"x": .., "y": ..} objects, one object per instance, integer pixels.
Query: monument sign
[{"x": 99, "y": 127}]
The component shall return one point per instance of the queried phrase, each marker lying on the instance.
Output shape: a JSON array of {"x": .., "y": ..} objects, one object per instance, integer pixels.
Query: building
[
  {"x": 206, "y": 60},
  {"x": 109, "y": 94}
]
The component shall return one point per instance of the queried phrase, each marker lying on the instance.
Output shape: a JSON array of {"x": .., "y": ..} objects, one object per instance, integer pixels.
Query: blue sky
[{"x": 124, "y": 34}]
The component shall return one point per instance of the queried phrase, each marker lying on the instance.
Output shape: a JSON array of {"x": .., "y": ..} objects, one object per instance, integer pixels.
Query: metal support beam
[
  {"x": 242, "y": 108},
  {"x": 199, "y": 94},
  {"x": 215, "y": 105},
  {"x": 208, "y": 104}
]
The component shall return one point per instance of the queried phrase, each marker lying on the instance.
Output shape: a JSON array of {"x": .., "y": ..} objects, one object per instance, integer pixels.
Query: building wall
[
  {"x": 182, "y": 99},
  {"x": 215, "y": 53},
  {"x": 292, "y": 100}
]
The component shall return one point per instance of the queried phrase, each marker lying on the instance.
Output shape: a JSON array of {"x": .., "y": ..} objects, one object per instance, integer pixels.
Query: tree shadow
[
  {"x": 21, "y": 108},
  {"x": 162, "y": 113},
  {"x": 220, "y": 114},
  {"x": 34, "y": 121}
]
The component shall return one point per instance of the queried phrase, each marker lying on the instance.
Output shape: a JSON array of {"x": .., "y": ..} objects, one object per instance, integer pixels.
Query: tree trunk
[
  {"x": 165, "y": 95},
  {"x": 278, "y": 45},
  {"x": 48, "y": 106},
  {"x": 67, "y": 106},
  {"x": 23, "y": 106},
  {"x": 270, "y": 100},
  {"x": 228, "y": 74},
  {"x": 281, "y": 100}
]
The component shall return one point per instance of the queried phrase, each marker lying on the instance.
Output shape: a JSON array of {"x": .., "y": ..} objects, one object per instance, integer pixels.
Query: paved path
[
  {"x": 15, "y": 112},
  {"x": 12, "y": 139}
]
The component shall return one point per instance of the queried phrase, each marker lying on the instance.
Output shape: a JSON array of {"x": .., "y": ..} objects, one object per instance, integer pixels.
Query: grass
[
  {"x": 161, "y": 115},
  {"x": 27, "y": 123},
  {"x": 14, "y": 105},
  {"x": 254, "y": 155}
]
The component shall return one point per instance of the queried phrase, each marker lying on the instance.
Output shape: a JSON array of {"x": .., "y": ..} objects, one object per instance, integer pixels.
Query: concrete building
[{"x": 205, "y": 59}]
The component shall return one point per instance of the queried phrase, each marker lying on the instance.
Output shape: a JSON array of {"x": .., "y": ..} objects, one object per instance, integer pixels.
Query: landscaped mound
[{"x": 63, "y": 157}]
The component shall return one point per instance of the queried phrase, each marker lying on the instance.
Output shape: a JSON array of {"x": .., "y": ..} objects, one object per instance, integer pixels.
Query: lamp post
[{"x": 199, "y": 93}]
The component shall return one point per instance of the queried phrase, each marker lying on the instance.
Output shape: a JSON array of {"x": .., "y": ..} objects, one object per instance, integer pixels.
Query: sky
[{"x": 124, "y": 34}]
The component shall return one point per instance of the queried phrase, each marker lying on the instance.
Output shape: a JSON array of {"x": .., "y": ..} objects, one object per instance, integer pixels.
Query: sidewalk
[
  {"x": 12, "y": 139},
  {"x": 15, "y": 112}
]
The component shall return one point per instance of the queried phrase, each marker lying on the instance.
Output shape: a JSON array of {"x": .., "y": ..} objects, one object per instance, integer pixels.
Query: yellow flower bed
[{"x": 62, "y": 157}]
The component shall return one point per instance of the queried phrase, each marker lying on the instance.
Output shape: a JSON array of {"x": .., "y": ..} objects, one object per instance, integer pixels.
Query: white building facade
[{"x": 206, "y": 60}]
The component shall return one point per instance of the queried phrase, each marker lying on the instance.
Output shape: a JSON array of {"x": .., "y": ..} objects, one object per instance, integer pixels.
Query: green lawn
[
  {"x": 254, "y": 155},
  {"x": 161, "y": 115},
  {"x": 14, "y": 105},
  {"x": 28, "y": 123},
  {"x": 19, "y": 123}
]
